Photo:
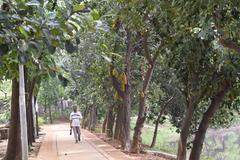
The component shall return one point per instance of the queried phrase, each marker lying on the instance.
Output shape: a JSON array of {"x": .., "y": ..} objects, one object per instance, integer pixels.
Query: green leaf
[
  {"x": 95, "y": 14},
  {"x": 55, "y": 43},
  {"x": 23, "y": 32},
  {"x": 78, "y": 7},
  {"x": 55, "y": 31}
]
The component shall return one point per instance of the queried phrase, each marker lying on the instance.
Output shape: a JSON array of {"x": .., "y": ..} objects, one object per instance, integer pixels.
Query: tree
[
  {"x": 29, "y": 32},
  {"x": 204, "y": 23}
]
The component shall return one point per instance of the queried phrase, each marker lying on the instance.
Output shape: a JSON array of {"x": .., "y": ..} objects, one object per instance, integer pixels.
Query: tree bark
[
  {"x": 157, "y": 122},
  {"x": 86, "y": 117},
  {"x": 155, "y": 131},
  {"x": 36, "y": 109},
  {"x": 104, "y": 123},
  {"x": 136, "y": 144},
  {"x": 202, "y": 129},
  {"x": 50, "y": 114},
  {"x": 93, "y": 116},
  {"x": 182, "y": 143},
  {"x": 119, "y": 123},
  {"x": 62, "y": 107},
  {"x": 110, "y": 121},
  {"x": 29, "y": 110},
  {"x": 127, "y": 100},
  {"x": 14, "y": 143}
]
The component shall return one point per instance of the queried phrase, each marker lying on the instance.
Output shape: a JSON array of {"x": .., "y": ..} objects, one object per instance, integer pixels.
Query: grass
[
  {"x": 167, "y": 141},
  {"x": 166, "y": 137},
  {"x": 223, "y": 145}
]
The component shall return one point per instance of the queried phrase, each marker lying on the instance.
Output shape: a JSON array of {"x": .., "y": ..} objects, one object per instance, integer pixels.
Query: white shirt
[{"x": 75, "y": 117}]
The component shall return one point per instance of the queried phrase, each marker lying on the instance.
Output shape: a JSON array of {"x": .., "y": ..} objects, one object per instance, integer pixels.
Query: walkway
[{"x": 59, "y": 145}]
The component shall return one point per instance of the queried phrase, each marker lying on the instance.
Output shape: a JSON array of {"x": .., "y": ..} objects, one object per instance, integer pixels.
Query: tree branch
[
  {"x": 230, "y": 44},
  {"x": 145, "y": 47},
  {"x": 223, "y": 39}
]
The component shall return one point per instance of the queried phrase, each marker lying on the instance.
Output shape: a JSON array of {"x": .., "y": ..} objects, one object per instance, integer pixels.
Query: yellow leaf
[
  {"x": 124, "y": 77},
  {"x": 115, "y": 95},
  {"x": 114, "y": 72},
  {"x": 123, "y": 87},
  {"x": 78, "y": 7}
]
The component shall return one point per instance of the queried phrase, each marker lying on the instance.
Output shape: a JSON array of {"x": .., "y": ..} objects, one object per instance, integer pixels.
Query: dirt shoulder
[{"x": 142, "y": 156}]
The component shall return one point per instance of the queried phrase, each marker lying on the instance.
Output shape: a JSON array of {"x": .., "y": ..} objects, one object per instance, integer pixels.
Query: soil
[
  {"x": 116, "y": 144},
  {"x": 36, "y": 146},
  {"x": 33, "y": 151}
]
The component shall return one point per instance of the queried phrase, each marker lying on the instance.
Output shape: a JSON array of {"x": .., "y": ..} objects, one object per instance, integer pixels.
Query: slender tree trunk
[
  {"x": 110, "y": 121},
  {"x": 34, "y": 117},
  {"x": 93, "y": 118},
  {"x": 182, "y": 143},
  {"x": 157, "y": 122},
  {"x": 29, "y": 106},
  {"x": 155, "y": 131},
  {"x": 104, "y": 123},
  {"x": 136, "y": 144},
  {"x": 14, "y": 143},
  {"x": 62, "y": 107},
  {"x": 45, "y": 106},
  {"x": 85, "y": 121},
  {"x": 202, "y": 129},
  {"x": 37, "y": 125},
  {"x": 119, "y": 123},
  {"x": 36, "y": 112},
  {"x": 50, "y": 114}
]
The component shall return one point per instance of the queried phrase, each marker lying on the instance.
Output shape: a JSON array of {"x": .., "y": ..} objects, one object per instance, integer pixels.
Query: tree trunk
[
  {"x": 29, "y": 110},
  {"x": 110, "y": 121},
  {"x": 156, "y": 131},
  {"x": 34, "y": 117},
  {"x": 36, "y": 110},
  {"x": 158, "y": 120},
  {"x": 182, "y": 143},
  {"x": 90, "y": 118},
  {"x": 127, "y": 100},
  {"x": 45, "y": 109},
  {"x": 62, "y": 107},
  {"x": 202, "y": 129},
  {"x": 119, "y": 123},
  {"x": 136, "y": 144},
  {"x": 85, "y": 120},
  {"x": 93, "y": 118},
  {"x": 50, "y": 114},
  {"x": 14, "y": 143},
  {"x": 104, "y": 123}
]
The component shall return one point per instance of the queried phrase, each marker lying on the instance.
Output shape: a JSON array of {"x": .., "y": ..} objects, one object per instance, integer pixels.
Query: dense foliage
[{"x": 156, "y": 60}]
